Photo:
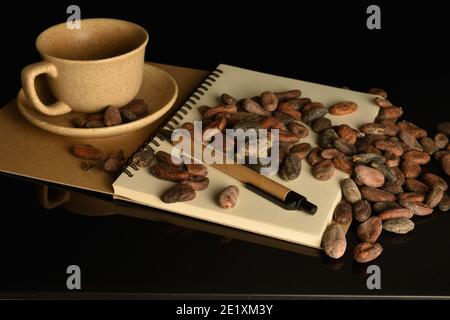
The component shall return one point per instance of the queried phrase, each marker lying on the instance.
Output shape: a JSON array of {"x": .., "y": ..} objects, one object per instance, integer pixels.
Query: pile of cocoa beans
[
  {"x": 389, "y": 183},
  {"x": 113, "y": 116},
  {"x": 289, "y": 113}
]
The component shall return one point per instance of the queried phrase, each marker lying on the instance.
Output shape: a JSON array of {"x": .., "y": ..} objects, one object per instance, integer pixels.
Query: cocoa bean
[
  {"x": 343, "y": 164},
  {"x": 324, "y": 170},
  {"x": 428, "y": 145},
  {"x": 298, "y": 129},
  {"x": 79, "y": 122},
  {"x": 283, "y": 117},
  {"x": 369, "y": 176},
  {"x": 350, "y": 191},
  {"x": 343, "y": 213},
  {"x": 414, "y": 185},
  {"x": 433, "y": 180},
  {"x": 373, "y": 128},
  {"x": 165, "y": 157},
  {"x": 444, "y": 127},
  {"x": 434, "y": 197},
  {"x": 168, "y": 172},
  {"x": 197, "y": 169},
  {"x": 410, "y": 142},
  {"x": 392, "y": 187},
  {"x": 400, "y": 225},
  {"x": 333, "y": 241},
  {"x": 227, "y": 99},
  {"x": 253, "y": 107},
  {"x": 288, "y": 95},
  {"x": 247, "y": 124},
  {"x": 330, "y": 153},
  {"x": 444, "y": 205},
  {"x": 345, "y": 147},
  {"x": 346, "y": 133},
  {"x": 313, "y": 105},
  {"x": 440, "y": 154},
  {"x": 327, "y": 138},
  {"x": 213, "y": 129},
  {"x": 380, "y": 207},
  {"x": 112, "y": 116},
  {"x": 376, "y": 195},
  {"x": 445, "y": 164},
  {"x": 412, "y": 129},
  {"x": 365, "y": 158},
  {"x": 386, "y": 145},
  {"x": 362, "y": 210},
  {"x": 91, "y": 124},
  {"x": 285, "y": 136},
  {"x": 178, "y": 193},
  {"x": 391, "y": 159},
  {"x": 198, "y": 183},
  {"x": 400, "y": 176},
  {"x": 299, "y": 103},
  {"x": 396, "y": 213},
  {"x": 417, "y": 157},
  {"x": 314, "y": 157},
  {"x": 411, "y": 197},
  {"x": 410, "y": 169},
  {"x": 290, "y": 110},
  {"x": 301, "y": 150},
  {"x": 382, "y": 102},
  {"x": 440, "y": 140},
  {"x": 228, "y": 197},
  {"x": 87, "y": 152},
  {"x": 391, "y": 128},
  {"x": 115, "y": 161},
  {"x": 269, "y": 100},
  {"x": 309, "y": 115},
  {"x": 138, "y": 107},
  {"x": 273, "y": 123},
  {"x": 203, "y": 109},
  {"x": 366, "y": 251},
  {"x": 378, "y": 92},
  {"x": 419, "y": 209},
  {"x": 369, "y": 230},
  {"x": 392, "y": 113},
  {"x": 321, "y": 124},
  {"x": 143, "y": 158},
  {"x": 387, "y": 172},
  {"x": 212, "y": 112},
  {"x": 291, "y": 167},
  {"x": 343, "y": 108}
]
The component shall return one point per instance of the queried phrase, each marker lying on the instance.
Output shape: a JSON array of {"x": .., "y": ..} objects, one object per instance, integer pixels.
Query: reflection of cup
[{"x": 101, "y": 64}]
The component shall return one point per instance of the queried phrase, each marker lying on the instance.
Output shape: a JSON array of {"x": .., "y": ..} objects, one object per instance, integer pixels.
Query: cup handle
[{"x": 29, "y": 74}]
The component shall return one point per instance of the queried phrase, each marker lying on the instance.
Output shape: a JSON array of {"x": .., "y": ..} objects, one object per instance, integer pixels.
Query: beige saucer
[{"x": 158, "y": 89}]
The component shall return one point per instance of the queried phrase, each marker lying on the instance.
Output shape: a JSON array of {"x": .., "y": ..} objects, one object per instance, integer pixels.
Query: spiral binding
[{"x": 177, "y": 113}]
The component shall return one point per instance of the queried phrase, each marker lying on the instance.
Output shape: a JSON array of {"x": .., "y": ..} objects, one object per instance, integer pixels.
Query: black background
[{"x": 319, "y": 41}]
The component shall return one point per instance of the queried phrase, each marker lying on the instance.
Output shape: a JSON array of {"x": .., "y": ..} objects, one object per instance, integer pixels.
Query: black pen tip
[{"x": 308, "y": 207}]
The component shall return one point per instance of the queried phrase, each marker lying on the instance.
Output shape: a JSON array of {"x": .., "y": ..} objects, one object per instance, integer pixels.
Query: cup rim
[{"x": 117, "y": 57}]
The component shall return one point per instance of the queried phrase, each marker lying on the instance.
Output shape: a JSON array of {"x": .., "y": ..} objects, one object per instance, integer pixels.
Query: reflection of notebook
[{"x": 252, "y": 212}]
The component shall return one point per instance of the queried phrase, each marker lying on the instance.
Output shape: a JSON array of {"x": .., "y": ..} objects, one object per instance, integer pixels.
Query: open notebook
[{"x": 252, "y": 213}]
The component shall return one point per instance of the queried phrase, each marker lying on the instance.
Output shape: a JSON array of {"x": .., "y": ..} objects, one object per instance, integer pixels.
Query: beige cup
[{"x": 101, "y": 64}]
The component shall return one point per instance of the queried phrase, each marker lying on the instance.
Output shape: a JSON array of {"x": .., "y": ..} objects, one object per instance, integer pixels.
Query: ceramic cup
[{"x": 101, "y": 64}]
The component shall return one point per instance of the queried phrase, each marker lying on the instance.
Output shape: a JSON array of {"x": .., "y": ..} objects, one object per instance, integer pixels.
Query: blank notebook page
[{"x": 252, "y": 212}]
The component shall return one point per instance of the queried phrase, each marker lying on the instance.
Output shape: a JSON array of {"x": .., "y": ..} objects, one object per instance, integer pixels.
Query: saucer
[{"x": 159, "y": 90}]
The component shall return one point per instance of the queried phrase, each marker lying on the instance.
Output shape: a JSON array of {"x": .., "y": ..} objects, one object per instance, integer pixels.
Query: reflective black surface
[{"x": 323, "y": 43}]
